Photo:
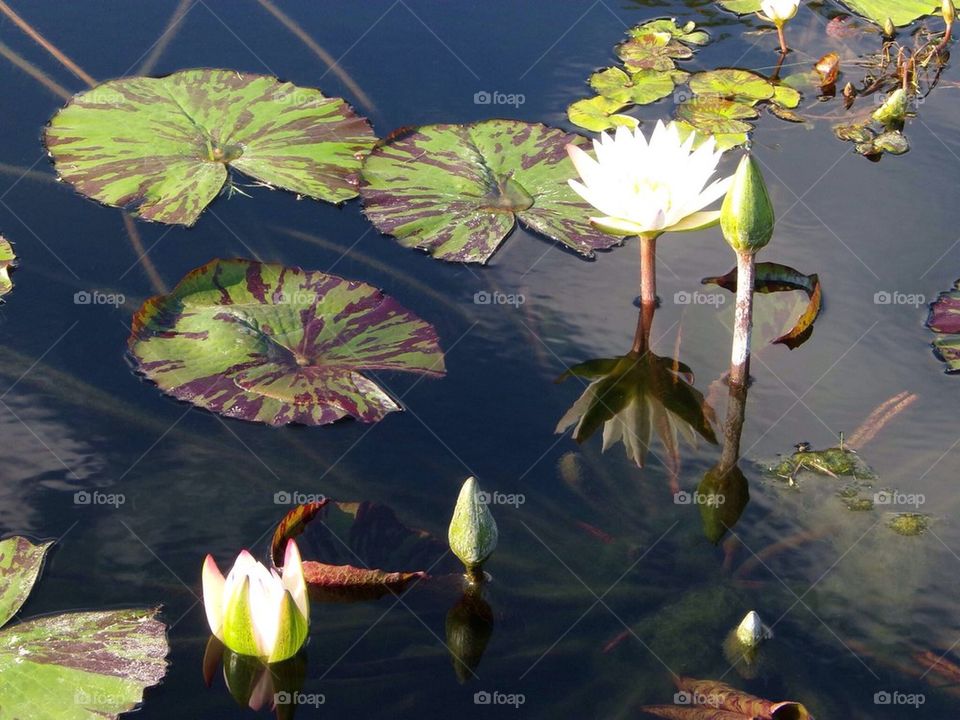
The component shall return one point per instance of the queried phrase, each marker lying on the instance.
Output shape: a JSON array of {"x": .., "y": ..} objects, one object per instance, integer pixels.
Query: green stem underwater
[{"x": 743, "y": 323}]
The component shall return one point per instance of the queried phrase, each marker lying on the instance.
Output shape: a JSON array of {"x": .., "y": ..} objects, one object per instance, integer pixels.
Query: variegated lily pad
[
  {"x": 74, "y": 666},
  {"x": 944, "y": 320},
  {"x": 274, "y": 344},
  {"x": 7, "y": 260},
  {"x": 457, "y": 191},
  {"x": 161, "y": 146}
]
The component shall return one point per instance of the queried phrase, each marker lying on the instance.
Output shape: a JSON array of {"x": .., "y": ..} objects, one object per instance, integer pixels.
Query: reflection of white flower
[
  {"x": 779, "y": 11},
  {"x": 649, "y": 188},
  {"x": 255, "y": 611}
]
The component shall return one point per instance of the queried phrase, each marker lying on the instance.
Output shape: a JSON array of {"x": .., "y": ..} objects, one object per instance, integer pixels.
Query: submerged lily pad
[
  {"x": 76, "y": 666},
  {"x": 774, "y": 277},
  {"x": 599, "y": 113},
  {"x": 909, "y": 524},
  {"x": 7, "y": 260},
  {"x": 161, "y": 146},
  {"x": 274, "y": 344},
  {"x": 944, "y": 319},
  {"x": 457, "y": 191}
]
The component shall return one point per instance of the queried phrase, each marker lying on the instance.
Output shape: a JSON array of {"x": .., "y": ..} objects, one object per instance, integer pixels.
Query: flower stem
[
  {"x": 648, "y": 270},
  {"x": 743, "y": 324},
  {"x": 783, "y": 39}
]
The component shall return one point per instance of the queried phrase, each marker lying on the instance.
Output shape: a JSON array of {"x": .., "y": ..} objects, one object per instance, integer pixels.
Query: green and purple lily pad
[
  {"x": 76, "y": 665},
  {"x": 8, "y": 260},
  {"x": 161, "y": 147},
  {"x": 267, "y": 343},
  {"x": 457, "y": 191},
  {"x": 944, "y": 320}
]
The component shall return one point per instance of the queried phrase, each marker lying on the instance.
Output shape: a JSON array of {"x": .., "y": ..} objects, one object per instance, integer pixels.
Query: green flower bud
[
  {"x": 747, "y": 217},
  {"x": 894, "y": 111},
  {"x": 473, "y": 531},
  {"x": 949, "y": 11},
  {"x": 889, "y": 29}
]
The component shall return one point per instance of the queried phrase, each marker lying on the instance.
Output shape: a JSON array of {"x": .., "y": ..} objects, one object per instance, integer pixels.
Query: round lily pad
[
  {"x": 732, "y": 84},
  {"x": 713, "y": 115},
  {"x": 160, "y": 147},
  {"x": 652, "y": 51},
  {"x": 274, "y": 344},
  {"x": 640, "y": 88},
  {"x": 599, "y": 113},
  {"x": 456, "y": 191}
]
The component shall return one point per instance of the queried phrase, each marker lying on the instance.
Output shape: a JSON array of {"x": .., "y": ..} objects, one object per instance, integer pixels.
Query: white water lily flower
[
  {"x": 779, "y": 11},
  {"x": 256, "y": 611},
  {"x": 649, "y": 188}
]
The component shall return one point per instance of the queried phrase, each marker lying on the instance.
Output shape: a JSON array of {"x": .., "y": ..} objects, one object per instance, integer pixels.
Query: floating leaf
[
  {"x": 598, "y": 114},
  {"x": 161, "y": 146},
  {"x": 713, "y": 116},
  {"x": 84, "y": 665},
  {"x": 733, "y": 84},
  {"x": 457, "y": 190},
  {"x": 741, "y": 7},
  {"x": 901, "y": 12},
  {"x": 893, "y": 142},
  {"x": 944, "y": 319},
  {"x": 774, "y": 277},
  {"x": 785, "y": 114},
  {"x": 7, "y": 261},
  {"x": 274, "y": 344},
  {"x": 354, "y": 540},
  {"x": 640, "y": 88},
  {"x": 855, "y": 132},
  {"x": 687, "y": 34},
  {"x": 786, "y": 96},
  {"x": 828, "y": 68},
  {"x": 724, "y": 141},
  {"x": 652, "y": 51}
]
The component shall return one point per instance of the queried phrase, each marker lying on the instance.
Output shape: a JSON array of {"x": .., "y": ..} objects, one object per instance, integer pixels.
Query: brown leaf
[
  {"x": 691, "y": 712},
  {"x": 346, "y": 582},
  {"x": 828, "y": 67},
  {"x": 293, "y": 524}
]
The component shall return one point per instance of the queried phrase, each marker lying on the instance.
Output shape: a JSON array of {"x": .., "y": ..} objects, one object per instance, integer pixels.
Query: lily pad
[
  {"x": 640, "y": 88},
  {"x": 355, "y": 539},
  {"x": 688, "y": 33},
  {"x": 599, "y": 113},
  {"x": 774, "y": 277},
  {"x": 457, "y": 191},
  {"x": 733, "y": 84},
  {"x": 713, "y": 115},
  {"x": 652, "y": 51},
  {"x": 7, "y": 260},
  {"x": 274, "y": 344},
  {"x": 161, "y": 147},
  {"x": 724, "y": 141},
  {"x": 944, "y": 319},
  {"x": 786, "y": 97},
  {"x": 74, "y": 666},
  {"x": 901, "y": 12},
  {"x": 741, "y": 7}
]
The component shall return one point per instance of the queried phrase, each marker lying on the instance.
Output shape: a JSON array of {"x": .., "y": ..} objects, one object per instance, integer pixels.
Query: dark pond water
[{"x": 599, "y": 547}]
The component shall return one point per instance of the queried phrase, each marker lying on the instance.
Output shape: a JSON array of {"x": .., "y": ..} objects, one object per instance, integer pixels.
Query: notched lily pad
[
  {"x": 599, "y": 113},
  {"x": 8, "y": 260},
  {"x": 161, "y": 146},
  {"x": 355, "y": 539},
  {"x": 456, "y": 191},
  {"x": 639, "y": 88},
  {"x": 279, "y": 345},
  {"x": 79, "y": 665},
  {"x": 774, "y": 277}
]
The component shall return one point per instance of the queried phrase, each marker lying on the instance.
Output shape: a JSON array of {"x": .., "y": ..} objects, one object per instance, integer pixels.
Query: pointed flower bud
[
  {"x": 747, "y": 216},
  {"x": 473, "y": 531},
  {"x": 751, "y": 631},
  {"x": 889, "y": 29},
  {"x": 255, "y": 611},
  {"x": 949, "y": 11}
]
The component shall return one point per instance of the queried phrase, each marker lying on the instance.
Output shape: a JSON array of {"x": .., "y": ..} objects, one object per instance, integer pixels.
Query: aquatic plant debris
[
  {"x": 714, "y": 700},
  {"x": 95, "y": 663},
  {"x": 457, "y": 191},
  {"x": 161, "y": 147},
  {"x": 267, "y": 343}
]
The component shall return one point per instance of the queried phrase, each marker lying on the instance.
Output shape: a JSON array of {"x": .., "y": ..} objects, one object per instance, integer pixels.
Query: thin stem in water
[
  {"x": 743, "y": 323},
  {"x": 648, "y": 270}
]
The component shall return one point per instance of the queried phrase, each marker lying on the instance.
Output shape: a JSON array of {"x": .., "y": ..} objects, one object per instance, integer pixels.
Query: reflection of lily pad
[
  {"x": 279, "y": 345},
  {"x": 355, "y": 539},
  {"x": 456, "y": 191},
  {"x": 944, "y": 319},
  {"x": 82, "y": 665},
  {"x": 161, "y": 146},
  {"x": 599, "y": 113},
  {"x": 640, "y": 88},
  {"x": 7, "y": 260},
  {"x": 733, "y": 84}
]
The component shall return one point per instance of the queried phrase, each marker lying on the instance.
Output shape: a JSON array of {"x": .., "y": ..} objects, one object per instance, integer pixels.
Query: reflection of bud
[
  {"x": 747, "y": 217},
  {"x": 469, "y": 627},
  {"x": 473, "y": 531},
  {"x": 718, "y": 518}
]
